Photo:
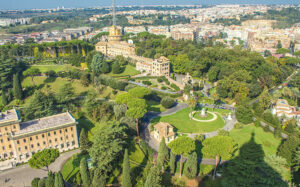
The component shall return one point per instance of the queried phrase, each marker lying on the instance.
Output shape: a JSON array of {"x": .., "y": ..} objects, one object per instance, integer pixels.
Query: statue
[
  {"x": 229, "y": 117},
  {"x": 203, "y": 113}
]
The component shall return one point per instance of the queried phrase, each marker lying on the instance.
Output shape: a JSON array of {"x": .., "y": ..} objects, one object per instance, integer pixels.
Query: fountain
[{"x": 203, "y": 113}]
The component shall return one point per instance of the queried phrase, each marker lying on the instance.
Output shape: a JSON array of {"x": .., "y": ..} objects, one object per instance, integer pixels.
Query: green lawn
[
  {"x": 129, "y": 71},
  {"x": 71, "y": 167},
  {"x": 182, "y": 122},
  {"x": 266, "y": 139},
  {"x": 56, "y": 68},
  {"x": 155, "y": 106}
]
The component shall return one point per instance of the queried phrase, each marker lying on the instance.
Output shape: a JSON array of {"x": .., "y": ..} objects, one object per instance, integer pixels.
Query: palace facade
[
  {"x": 20, "y": 140},
  {"x": 113, "y": 47}
]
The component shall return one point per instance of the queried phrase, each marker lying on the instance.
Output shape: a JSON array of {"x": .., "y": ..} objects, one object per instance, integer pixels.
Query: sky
[{"x": 32, "y": 4}]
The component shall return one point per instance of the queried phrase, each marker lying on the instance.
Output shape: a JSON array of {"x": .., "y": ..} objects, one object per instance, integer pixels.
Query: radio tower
[{"x": 114, "y": 12}]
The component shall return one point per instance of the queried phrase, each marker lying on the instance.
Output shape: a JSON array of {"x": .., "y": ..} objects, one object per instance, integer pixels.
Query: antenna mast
[{"x": 114, "y": 11}]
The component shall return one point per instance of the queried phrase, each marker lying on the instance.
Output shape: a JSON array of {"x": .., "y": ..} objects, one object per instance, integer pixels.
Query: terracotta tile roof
[{"x": 165, "y": 129}]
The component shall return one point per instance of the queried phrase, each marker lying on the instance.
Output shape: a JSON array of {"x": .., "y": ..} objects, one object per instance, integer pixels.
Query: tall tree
[
  {"x": 190, "y": 167},
  {"x": 42, "y": 183},
  {"x": 172, "y": 163},
  {"x": 17, "y": 88},
  {"x": 137, "y": 109},
  {"x": 84, "y": 172},
  {"x": 65, "y": 96},
  {"x": 116, "y": 69},
  {"x": 163, "y": 155},
  {"x": 43, "y": 158},
  {"x": 59, "y": 181},
  {"x": 105, "y": 152},
  {"x": 288, "y": 147},
  {"x": 119, "y": 111},
  {"x": 105, "y": 68},
  {"x": 31, "y": 72},
  {"x": 182, "y": 146},
  {"x": 50, "y": 179},
  {"x": 84, "y": 141},
  {"x": 154, "y": 178},
  {"x": 4, "y": 98},
  {"x": 97, "y": 63},
  {"x": 99, "y": 181},
  {"x": 126, "y": 179}
]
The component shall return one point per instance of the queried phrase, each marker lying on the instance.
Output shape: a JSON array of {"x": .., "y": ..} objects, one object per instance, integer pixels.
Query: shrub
[
  {"x": 223, "y": 132},
  {"x": 257, "y": 123},
  {"x": 50, "y": 73},
  {"x": 205, "y": 169},
  {"x": 164, "y": 88},
  {"x": 266, "y": 128},
  {"x": 268, "y": 117},
  {"x": 160, "y": 80},
  {"x": 238, "y": 126},
  {"x": 85, "y": 79},
  {"x": 129, "y": 86},
  {"x": 167, "y": 102},
  {"x": 147, "y": 83},
  {"x": 113, "y": 83},
  {"x": 258, "y": 109},
  {"x": 175, "y": 87}
]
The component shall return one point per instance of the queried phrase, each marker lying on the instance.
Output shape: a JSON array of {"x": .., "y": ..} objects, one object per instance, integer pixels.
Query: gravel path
[{"x": 22, "y": 176}]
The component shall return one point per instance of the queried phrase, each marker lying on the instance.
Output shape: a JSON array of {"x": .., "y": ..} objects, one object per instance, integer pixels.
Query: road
[{"x": 22, "y": 176}]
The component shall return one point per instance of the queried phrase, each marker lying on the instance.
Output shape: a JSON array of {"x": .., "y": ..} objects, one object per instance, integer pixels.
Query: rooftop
[
  {"x": 165, "y": 129},
  {"x": 45, "y": 123},
  {"x": 8, "y": 116}
]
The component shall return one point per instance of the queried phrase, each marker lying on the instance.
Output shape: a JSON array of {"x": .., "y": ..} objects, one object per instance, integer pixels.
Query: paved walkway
[
  {"x": 22, "y": 176},
  {"x": 210, "y": 120},
  {"x": 156, "y": 89},
  {"x": 145, "y": 129}
]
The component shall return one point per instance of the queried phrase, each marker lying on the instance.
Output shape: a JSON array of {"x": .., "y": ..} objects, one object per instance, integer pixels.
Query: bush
[
  {"x": 266, "y": 128},
  {"x": 50, "y": 73},
  {"x": 85, "y": 79},
  {"x": 176, "y": 88},
  {"x": 244, "y": 114},
  {"x": 205, "y": 169},
  {"x": 160, "y": 80},
  {"x": 257, "y": 123},
  {"x": 164, "y": 88},
  {"x": 113, "y": 83},
  {"x": 223, "y": 132},
  {"x": 167, "y": 102},
  {"x": 147, "y": 83},
  {"x": 129, "y": 86},
  {"x": 238, "y": 126},
  {"x": 258, "y": 109}
]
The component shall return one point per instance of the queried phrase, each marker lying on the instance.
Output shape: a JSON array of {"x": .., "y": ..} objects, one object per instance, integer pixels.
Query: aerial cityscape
[{"x": 149, "y": 93}]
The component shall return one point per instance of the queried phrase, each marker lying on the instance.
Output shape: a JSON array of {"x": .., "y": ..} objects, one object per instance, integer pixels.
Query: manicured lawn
[
  {"x": 182, "y": 122},
  {"x": 136, "y": 155},
  {"x": 129, "y": 71},
  {"x": 266, "y": 139},
  {"x": 56, "y": 68},
  {"x": 55, "y": 83},
  {"x": 71, "y": 167}
]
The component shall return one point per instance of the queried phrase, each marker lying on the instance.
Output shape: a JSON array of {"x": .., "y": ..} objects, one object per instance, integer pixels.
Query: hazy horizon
[{"x": 45, "y": 4}]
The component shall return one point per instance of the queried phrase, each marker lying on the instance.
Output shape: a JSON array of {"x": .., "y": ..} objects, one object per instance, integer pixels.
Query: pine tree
[
  {"x": 59, "y": 181},
  {"x": 17, "y": 88},
  {"x": 172, "y": 163},
  {"x": 163, "y": 154},
  {"x": 126, "y": 180},
  {"x": 190, "y": 167},
  {"x": 84, "y": 141},
  {"x": 84, "y": 171},
  {"x": 4, "y": 98}
]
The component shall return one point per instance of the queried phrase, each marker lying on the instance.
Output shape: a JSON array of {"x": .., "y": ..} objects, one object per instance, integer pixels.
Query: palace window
[
  {"x": 54, "y": 132},
  {"x": 48, "y": 133},
  {"x": 37, "y": 137},
  {"x": 3, "y": 147},
  {"x": 55, "y": 139},
  {"x": 31, "y": 145},
  {"x": 24, "y": 140},
  {"x": 66, "y": 130},
  {"x": 59, "y": 131},
  {"x": 25, "y": 147},
  {"x": 18, "y": 142},
  {"x": 43, "y": 136},
  {"x": 71, "y": 128},
  {"x": 38, "y": 144},
  {"x": 9, "y": 146},
  {"x": 19, "y": 149},
  {"x": 44, "y": 142},
  {"x": 30, "y": 139}
]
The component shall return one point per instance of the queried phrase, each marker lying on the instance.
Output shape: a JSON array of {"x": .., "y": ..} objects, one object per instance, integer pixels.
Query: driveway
[{"x": 22, "y": 176}]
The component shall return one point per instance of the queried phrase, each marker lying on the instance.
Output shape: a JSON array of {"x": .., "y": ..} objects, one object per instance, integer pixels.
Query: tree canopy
[{"x": 43, "y": 158}]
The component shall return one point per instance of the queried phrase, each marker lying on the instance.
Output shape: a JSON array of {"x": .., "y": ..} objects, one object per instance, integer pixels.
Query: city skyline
[{"x": 35, "y": 4}]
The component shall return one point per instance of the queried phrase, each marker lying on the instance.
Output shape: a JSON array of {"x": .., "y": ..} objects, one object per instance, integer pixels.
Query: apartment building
[{"x": 20, "y": 140}]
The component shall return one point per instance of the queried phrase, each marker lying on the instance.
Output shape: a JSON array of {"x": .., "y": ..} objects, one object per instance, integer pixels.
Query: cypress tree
[
  {"x": 126, "y": 180},
  {"x": 190, "y": 168},
  {"x": 59, "y": 181},
  {"x": 163, "y": 154},
  {"x": 83, "y": 141},
  {"x": 42, "y": 183},
  {"x": 17, "y": 88},
  {"x": 4, "y": 98},
  {"x": 50, "y": 180},
  {"x": 116, "y": 69},
  {"x": 99, "y": 181},
  {"x": 84, "y": 171},
  {"x": 105, "y": 67},
  {"x": 78, "y": 178},
  {"x": 172, "y": 163},
  {"x": 154, "y": 178}
]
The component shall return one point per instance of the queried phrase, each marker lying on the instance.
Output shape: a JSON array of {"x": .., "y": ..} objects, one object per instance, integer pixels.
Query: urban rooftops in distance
[{"x": 45, "y": 123}]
